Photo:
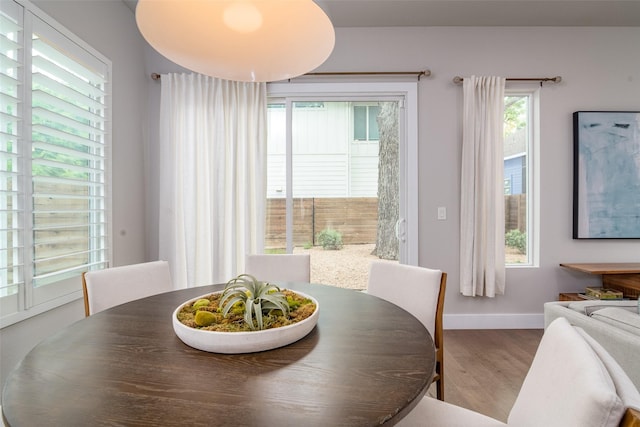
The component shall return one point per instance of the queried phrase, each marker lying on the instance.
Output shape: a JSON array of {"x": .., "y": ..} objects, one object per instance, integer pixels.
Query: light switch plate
[{"x": 442, "y": 212}]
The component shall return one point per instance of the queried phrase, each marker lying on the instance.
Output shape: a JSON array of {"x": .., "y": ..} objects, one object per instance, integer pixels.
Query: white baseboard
[{"x": 493, "y": 321}]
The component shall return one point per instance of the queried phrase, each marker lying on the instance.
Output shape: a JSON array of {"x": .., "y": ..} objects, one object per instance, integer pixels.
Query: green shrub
[
  {"x": 330, "y": 239},
  {"x": 516, "y": 239},
  {"x": 275, "y": 251}
]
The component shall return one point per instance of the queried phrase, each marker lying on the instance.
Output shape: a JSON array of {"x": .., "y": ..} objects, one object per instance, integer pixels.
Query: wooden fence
[
  {"x": 61, "y": 227},
  {"x": 515, "y": 212},
  {"x": 355, "y": 218}
]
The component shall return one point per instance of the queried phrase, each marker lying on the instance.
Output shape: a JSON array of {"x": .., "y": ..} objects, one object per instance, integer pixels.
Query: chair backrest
[
  {"x": 416, "y": 289},
  {"x": 279, "y": 267},
  {"x": 113, "y": 286},
  {"x": 569, "y": 385}
]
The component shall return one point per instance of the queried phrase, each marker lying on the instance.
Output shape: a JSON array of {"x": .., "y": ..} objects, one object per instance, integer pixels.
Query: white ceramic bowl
[{"x": 243, "y": 342}]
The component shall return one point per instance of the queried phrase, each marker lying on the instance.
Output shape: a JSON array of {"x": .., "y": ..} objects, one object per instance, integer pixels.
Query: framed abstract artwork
[{"x": 606, "y": 175}]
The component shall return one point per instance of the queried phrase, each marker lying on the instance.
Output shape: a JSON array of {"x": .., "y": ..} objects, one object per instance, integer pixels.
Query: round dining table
[{"x": 367, "y": 362}]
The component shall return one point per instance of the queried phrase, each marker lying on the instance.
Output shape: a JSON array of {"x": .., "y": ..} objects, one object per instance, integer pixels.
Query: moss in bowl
[{"x": 227, "y": 321}]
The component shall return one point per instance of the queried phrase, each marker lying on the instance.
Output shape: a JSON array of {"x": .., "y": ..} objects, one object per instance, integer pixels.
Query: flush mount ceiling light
[{"x": 243, "y": 40}]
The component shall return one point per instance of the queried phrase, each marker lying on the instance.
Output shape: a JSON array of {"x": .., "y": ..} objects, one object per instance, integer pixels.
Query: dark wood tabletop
[{"x": 367, "y": 362}]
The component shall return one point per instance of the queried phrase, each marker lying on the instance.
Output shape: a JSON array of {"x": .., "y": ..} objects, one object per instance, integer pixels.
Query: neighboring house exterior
[
  {"x": 335, "y": 150},
  {"x": 515, "y": 163},
  {"x": 514, "y": 171}
]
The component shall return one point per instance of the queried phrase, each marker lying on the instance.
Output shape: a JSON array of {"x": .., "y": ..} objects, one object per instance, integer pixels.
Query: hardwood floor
[{"x": 484, "y": 369}]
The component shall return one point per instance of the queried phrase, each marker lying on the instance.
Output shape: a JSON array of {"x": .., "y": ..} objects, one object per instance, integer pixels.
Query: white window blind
[
  {"x": 55, "y": 161},
  {"x": 11, "y": 190}
]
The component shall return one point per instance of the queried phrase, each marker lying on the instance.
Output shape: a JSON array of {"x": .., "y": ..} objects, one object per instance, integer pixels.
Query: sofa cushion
[
  {"x": 589, "y": 306},
  {"x": 624, "y": 387},
  {"x": 567, "y": 385},
  {"x": 620, "y": 318}
]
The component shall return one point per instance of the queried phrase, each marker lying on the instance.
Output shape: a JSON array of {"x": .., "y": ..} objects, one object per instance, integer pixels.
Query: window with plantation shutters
[{"x": 54, "y": 194}]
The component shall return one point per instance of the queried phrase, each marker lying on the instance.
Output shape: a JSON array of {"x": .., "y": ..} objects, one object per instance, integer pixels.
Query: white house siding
[
  {"x": 327, "y": 163},
  {"x": 364, "y": 169},
  {"x": 314, "y": 175},
  {"x": 276, "y": 178},
  {"x": 323, "y": 130}
]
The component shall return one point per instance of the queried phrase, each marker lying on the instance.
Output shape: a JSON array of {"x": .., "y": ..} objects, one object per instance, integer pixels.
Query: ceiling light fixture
[{"x": 243, "y": 40}]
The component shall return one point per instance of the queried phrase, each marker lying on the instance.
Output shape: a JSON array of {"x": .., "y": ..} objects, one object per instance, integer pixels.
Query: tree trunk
[{"x": 388, "y": 188}]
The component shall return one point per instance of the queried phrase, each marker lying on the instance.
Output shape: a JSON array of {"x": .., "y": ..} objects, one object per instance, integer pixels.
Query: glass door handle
[{"x": 401, "y": 232}]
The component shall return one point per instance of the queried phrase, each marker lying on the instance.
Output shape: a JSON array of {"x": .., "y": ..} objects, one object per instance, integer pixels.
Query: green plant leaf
[
  {"x": 258, "y": 314},
  {"x": 276, "y": 302},
  {"x": 259, "y": 299},
  {"x": 248, "y": 314},
  {"x": 226, "y": 308}
]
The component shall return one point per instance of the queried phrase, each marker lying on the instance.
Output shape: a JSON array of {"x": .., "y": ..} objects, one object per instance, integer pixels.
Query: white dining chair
[
  {"x": 279, "y": 267},
  {"x": 109, "y": 287},
  {"x": 572, "y": 381},
  {"x": 421, "y": 292}
]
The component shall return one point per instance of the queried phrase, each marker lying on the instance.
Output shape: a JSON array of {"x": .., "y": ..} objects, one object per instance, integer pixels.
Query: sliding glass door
[{"x": 338, "y": 179}]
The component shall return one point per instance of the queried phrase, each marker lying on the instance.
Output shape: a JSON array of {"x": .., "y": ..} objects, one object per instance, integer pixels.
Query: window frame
[
  {"x": 532, "y": 172},
  {"x": 407, "y": 94},
  {"x": 31, "y": 300},
  {"x": 367, "y": 125}
]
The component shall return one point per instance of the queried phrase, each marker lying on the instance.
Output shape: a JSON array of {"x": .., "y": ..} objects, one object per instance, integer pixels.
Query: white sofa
[
  {"x": 614, "y": 324},
  {"x": 572, "y": 381}
]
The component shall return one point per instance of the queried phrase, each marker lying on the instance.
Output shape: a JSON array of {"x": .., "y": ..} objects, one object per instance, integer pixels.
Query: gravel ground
[
  {"x": 349, "y": 266},
  {"x": 345, "y": 268},
  {"x": 513, "y": 256}
]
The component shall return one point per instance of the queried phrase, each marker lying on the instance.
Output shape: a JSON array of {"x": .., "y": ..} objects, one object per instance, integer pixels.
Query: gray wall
[
  {"x": 600, "y": 68},
  {"x": 109, "y": 27}
]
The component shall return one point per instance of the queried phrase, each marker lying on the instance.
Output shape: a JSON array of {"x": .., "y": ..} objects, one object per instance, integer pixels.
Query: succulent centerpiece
[{"x": 248, "y": 315}]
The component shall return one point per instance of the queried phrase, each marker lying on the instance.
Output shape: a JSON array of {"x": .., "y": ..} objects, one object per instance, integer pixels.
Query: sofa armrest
[
  {"x": 555, "y": 309},
  {"x": 623, "y": 345}
]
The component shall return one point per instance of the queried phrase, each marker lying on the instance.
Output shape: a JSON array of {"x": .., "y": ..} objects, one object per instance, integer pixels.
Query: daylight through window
[
  {"x": 519, "y": 127},
  {"x": 54, "y": 151}
]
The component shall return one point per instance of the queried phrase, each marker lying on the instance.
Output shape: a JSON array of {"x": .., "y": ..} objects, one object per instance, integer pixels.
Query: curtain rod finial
[{"x": 426, "y": 73}]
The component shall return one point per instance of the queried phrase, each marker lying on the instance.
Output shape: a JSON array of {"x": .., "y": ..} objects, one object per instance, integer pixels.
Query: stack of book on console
[{"x": 601, "y": 293}]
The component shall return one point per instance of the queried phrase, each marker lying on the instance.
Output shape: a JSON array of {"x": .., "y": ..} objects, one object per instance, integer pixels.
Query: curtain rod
[
  {"x": 418, "y": 74},
  {"x": 426, "y": 73},
  {"x": 557, "y": 79}
]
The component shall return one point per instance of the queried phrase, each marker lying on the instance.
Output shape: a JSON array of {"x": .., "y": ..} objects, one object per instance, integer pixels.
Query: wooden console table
[
  {"x": 621, "y": 276},
  {"x": 570, "y": 296}
]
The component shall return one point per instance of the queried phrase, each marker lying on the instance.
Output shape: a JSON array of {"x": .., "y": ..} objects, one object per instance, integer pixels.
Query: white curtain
[
  {"x": 212, "y": 176},
  {"x": 482, "y": 271}
]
